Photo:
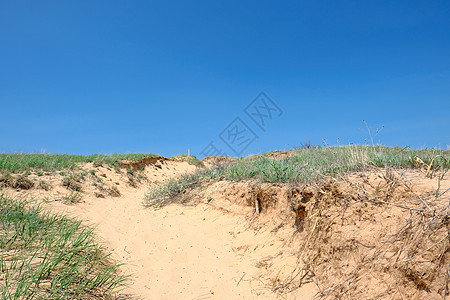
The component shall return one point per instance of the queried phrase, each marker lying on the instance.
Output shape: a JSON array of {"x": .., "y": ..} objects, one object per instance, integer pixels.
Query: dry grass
[{"x": 410, "y": 259}]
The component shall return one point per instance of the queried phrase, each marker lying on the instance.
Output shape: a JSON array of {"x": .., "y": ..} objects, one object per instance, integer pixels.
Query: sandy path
[
  {"x": 177, "y": 251},
  {"x": 188, "y": 252}
]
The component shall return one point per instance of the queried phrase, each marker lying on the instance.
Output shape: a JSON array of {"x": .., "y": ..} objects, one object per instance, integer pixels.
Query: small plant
[
  {"x": 164, "y": 194},
  {"x": 113, "y": 191},
  {"x": 7, "y": 180},
  {"x": 308, "y": 145},
  {"x": 22, "y": 182},
  {"x": 132, "y": 182},
  {"x": 72, "y": 197},
  {"x": 40, "y": 173},
  {"x": 43, "y": 185},
  {"x": 99, "y": 195},
  {"x": 192, "y": 160},
  {"x": 98, "y": 164},
  {"x": 130, "y": 172},
  {"x": 142, "y": 177},
  {"x": 92, "y": 172},
  {"x": 72, "y": 182}
]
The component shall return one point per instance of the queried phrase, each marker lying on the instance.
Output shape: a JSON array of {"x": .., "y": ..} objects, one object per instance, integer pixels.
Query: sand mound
[{"x": 381, "y": 234}]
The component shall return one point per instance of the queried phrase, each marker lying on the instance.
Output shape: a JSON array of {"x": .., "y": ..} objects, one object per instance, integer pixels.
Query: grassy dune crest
[
  {"x": 15, "y": 162},
  {"x": 305, "y": 165}
]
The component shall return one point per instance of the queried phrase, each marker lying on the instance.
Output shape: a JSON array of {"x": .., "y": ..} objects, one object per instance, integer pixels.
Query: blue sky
[{"x": 142, "y": 76}]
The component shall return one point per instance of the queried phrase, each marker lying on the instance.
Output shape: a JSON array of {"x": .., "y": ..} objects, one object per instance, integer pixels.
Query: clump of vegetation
[
  {"x": 264, "y": 169},
  {"x": 19, "y": 182},
  {"x": 83, "y": 174},
  {"x": 113, "y": 191},
  {"x": 192, "y": 160},
  {"x": 98, "y": 164},
  {"x": 24, "y": 183},
  {"x": 43, "y": 185},
  {"x": 132, "y": 182},
  {"x": 72, "y": 197},
  {"x": 46, "y": 256},
  {"x": 72, "y": 182},
  {"x": 164, "y": 194},
  {"x": 99, "y": 195},
  {"x": 7, "y": 180},
  {"x": 141, "y": 177},
  {"x": 308, "y": 145}
]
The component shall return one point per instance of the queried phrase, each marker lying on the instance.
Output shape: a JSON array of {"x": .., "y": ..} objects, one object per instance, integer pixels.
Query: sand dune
[{"x": 224, "y": 248}]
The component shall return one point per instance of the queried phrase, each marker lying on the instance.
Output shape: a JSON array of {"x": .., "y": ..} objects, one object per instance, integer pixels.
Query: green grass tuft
[
  {"x": 46, "y": 256},
  {"x": 163, "y": 194}
]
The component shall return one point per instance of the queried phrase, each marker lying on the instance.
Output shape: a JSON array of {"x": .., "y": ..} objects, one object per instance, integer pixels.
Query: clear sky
[{"x": 163, "y": 76}]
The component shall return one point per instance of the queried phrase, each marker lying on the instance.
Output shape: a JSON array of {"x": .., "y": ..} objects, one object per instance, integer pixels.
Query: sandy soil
[
  {"x": 224, "y": 248},
  {"x": 192, "y": 252}
]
